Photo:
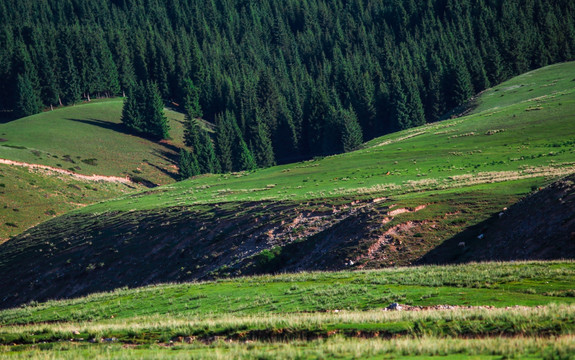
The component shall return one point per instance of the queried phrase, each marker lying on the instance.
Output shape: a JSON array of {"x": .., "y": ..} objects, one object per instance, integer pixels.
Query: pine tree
[
  {"x": 28, "y": 101},
  {"x": 261, "y": 144},
  {"x": 70, "y": 84},
  {"x": 132, "y": 111},
  {"x": 317, "y": 113},
  {"x": 400, "y": 109},
  {"x": 155, "y": 121},
  {"x": 224, "y": 139},
  {"x": 459, "y": 84},
  {"x": 245, "y": 159},
  {"x": 351, "y": 134},
  {"x": 208, "y": 161},
  {"x": 188, "y": 165},
  {"x": 202, "y": 147},
  {"x": 242, "y": 157},
  {"x": 191, "y": 99},
  {"x": 285, "y": 141},
  {"x": 415, "y": 106}
]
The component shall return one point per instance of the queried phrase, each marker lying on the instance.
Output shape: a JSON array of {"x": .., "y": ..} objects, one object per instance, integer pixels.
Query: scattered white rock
[{"x": 394, "y": 307}]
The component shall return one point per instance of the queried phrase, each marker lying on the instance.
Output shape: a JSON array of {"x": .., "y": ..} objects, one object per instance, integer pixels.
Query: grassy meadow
[
  {"x": 86, "y": 139},
  {"x": 314, "y": 315},
  {"x": 31, "y": 197},
  {"x": 89, "y": 139}
]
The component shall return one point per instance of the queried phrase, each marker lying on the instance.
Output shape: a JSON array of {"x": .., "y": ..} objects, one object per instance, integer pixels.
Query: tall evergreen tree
[
  {"x": 400, "y": 110},
  {"x": 459, "y": 84},
  {"x": 208, "y": 161},
  {"x": 187, "y": 165},
  {"x": 351, "y": 134},
  {"x": 245, "y": 159},
  {"x": 224, "y": 141},
  {"x": 317, "y": 113},
  {"x": 28, "y": 100},
  {"x": 261, "y": 144},
  {"x": 132, "y": 111},
  {"x": 155, "y": 121},
  {"x": 70, "y": 84},
  {"x": 191, "y": 99},
  {"x": 202, "y": 147}
]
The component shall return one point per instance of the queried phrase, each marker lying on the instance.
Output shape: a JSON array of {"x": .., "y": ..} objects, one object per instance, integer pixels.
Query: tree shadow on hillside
[
  {"x": 165, "y": 172},
  {"x": 105, "y": 125},
  {"x": 122, "y": 129}
]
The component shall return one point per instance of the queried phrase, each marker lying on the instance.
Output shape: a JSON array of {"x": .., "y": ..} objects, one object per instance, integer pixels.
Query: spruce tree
[
  {"x": 459, "y": 85},
  {"x": 242, "y": 157},
  {"x": 400, "y": 109},
  {"x": 70, "y": 83},
  {"x": 317, "y": 113},
  {"x": 28, "y": 101},
  {"x": 285, "y": 141},
  {"x": 202, "y": 147},
  {"x": 245, "y": 159},
  {"x": 132, "y": 111},
  {"x": 208, "y": 161},
  {"x": 191, "y": 100},
  {"x": 224, "y": 141},
  {"x": 155, "y": 121},
  {"x": 261, "y": 144},
  {"x": 188, "y": 165},
  {"x": 351, "y": 134}
]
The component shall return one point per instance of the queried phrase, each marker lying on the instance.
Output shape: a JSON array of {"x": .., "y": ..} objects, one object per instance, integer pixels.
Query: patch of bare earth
[{"x": 51, "y": 169}]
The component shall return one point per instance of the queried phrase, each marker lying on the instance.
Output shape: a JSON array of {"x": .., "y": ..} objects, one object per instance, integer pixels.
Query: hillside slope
[
  {"x": 387, "y": 204},
  {"x": 84, "y": 139},
  {"x": 541, "y": 226},
  {"x": 29, "y": 195},
  {"x": 89, "y": 139}
]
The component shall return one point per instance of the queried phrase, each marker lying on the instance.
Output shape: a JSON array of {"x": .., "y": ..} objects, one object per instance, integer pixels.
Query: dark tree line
[{"x": 282, "y": 80}]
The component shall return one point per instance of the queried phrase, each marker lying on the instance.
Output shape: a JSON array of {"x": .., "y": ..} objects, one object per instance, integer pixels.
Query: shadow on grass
[
  {"x": 123, "y": 130},
  {"x": 105, "y": 125},
  {"x": 164, "y": 171}
]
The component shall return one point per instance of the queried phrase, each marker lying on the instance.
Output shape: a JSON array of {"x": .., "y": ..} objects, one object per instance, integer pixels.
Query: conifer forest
[{"x": 276, "y": 80}]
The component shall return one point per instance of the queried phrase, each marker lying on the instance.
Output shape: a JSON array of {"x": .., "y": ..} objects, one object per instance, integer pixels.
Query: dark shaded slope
[
  {"x": 78, "y": 254},
  {"x": 75, "y": 255},
  {"x": 541, "y": 226}
]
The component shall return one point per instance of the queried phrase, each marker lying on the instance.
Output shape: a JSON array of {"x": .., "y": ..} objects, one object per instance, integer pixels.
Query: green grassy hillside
[
  {"x": 527, "y": 134},
  {"x": 454, "y": 311},
  {"x": 89, "y": 139},
  {"x": 84, "y": 139},
  {"x": 389, "y": 203},
  {"x": 29, "y": 197}
]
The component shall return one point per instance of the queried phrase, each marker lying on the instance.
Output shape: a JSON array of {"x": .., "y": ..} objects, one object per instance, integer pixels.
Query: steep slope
[
  {"x": 541, "y": 226},
  {"x": 389, "y": 203}
]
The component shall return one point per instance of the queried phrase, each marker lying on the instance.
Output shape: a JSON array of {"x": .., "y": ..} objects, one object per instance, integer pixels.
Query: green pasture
[
  {"x": 314, "y": 315},
  {"x": 30, "y": 197},
  {"x": 90, "y": 139}
]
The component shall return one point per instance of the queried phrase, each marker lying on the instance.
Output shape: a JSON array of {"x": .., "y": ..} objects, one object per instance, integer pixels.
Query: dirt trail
[{"x": 114, "y": 179}]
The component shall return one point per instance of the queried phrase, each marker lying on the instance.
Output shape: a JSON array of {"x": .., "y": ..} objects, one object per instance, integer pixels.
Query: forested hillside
[{"x": 292, "y": 79}]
